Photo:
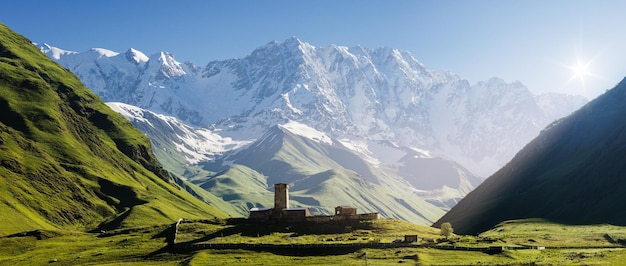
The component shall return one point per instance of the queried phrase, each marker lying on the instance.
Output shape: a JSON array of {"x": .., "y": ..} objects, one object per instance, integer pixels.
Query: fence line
[{"x": 290, "y": 246}]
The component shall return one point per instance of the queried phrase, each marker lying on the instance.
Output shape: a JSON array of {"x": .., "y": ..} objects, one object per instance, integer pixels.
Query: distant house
[
  {"x": 410, "y": 238},
  {"x": 281, "y": 213},
  {"x": 345, "y": 210}
]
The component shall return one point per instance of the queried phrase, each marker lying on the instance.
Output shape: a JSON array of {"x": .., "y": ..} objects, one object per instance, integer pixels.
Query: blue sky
[{"x": 531, "y": 41}]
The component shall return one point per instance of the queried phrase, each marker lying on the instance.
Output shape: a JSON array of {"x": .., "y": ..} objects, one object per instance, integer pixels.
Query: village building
[
  {"x": 410, "y": 238},
  {"x": 345, "y": 210},
  {"x": 282, "y": 213}
]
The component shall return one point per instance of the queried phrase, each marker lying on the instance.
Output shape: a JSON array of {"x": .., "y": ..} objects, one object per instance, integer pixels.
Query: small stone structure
[
  {"x": 281, "y": 213},
  {"x": 410, "y": 238},
  {"x": 345, "y": 210}
]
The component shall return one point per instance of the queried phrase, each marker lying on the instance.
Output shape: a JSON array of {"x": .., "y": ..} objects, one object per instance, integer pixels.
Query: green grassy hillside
[
  {"x": 574, "y": 172},
  {"x": 242, "y": 187},
  {"x": 163, "y": 138},
  {"x": 67, "y": 160}
]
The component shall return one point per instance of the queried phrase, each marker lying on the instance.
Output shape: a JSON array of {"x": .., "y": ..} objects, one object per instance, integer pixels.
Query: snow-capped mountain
[{"x": 348, "y": 93}]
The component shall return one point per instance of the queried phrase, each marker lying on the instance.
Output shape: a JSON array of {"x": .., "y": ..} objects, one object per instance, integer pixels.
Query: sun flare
[{"x": 580, "y": 70}]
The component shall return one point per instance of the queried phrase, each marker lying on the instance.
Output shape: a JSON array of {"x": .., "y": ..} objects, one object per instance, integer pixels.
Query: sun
[{"x": 580, "y": 70}]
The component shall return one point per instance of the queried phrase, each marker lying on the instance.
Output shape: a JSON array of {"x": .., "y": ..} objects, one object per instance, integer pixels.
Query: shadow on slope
[{"x": 573, "y": 173}]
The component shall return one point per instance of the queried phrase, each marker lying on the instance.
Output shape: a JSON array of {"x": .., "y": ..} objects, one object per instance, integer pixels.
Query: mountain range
[
  {"x": 379, "y": 94},
  {"x": 572, "y": 173},
  {"x": 427, "y": 130},
  {"x": 67, "y": 161}
]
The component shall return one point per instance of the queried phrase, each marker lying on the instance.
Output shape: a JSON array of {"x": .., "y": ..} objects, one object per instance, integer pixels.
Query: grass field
[
  {"x": 383, "y": 231},
  {"x": 586, "y": 245},
  {"x": 538, "y": 232}
]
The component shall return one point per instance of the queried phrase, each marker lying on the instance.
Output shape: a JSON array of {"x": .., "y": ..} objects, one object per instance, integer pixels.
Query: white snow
[
  {"x": 129, "y": 111},
  {"x": 104, "y": 52},
  {"x": 53, "y": 52},
  {"x": 307, "y": 132},
  {"x": 360, "y": 147},
  {"x": 285, "y": 97},
  {"x": 197, "y": 144},
  {"x": 168, "y": 65},
  {"x": 138, "y": 56}
]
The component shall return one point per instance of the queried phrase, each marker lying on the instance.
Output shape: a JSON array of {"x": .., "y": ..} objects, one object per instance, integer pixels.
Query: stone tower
[{"x": 281, "y": 196}]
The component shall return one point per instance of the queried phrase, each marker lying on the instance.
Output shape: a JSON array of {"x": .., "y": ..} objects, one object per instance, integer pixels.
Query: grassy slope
[
  {"x": 338, "y": 187},
  {"x": 165, "y": 151},
  {"x": 241, "y": 186},
  {"x": 539, "y": 232},
  {"x": 161, "y": 135},
  {"x": 67, "y": 160},
  {"x": 209, "y": 198},
  {"x": 573, "y": 172}
]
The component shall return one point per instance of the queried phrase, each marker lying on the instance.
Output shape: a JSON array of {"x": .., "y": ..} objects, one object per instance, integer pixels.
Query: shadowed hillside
[
  {"x": 574, "y": 172},
  {"x": 67, "y": 160}
]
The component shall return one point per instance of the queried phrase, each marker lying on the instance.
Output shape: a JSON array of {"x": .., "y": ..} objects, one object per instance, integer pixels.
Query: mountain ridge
[{"x": 379, "y": 94}]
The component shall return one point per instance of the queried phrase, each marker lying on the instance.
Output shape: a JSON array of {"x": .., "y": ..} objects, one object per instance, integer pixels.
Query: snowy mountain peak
[
  {"x": 293, "y": 41},
  {"x": 103, "y": 52},
  {"x": 290, "y": 43},
  {"x": 498, "y": 82},
  {"x": 291, "y": 47},
  {"x": 167, "y": 64},
  {"x": 136, "y": 56},
  {"x": 52, "y": 51}
]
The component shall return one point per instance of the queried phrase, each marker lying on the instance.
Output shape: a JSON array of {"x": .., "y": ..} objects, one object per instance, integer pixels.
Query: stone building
[
  {"x": 281, "y": 196},
  {"x": 282, "y": 213},
  {"x": 410, "y": 238},
  {"x": 345, "y": 210}
]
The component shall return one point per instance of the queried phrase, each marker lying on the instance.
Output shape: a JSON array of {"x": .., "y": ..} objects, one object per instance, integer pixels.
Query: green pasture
[{"x": 583, "y": 245}]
